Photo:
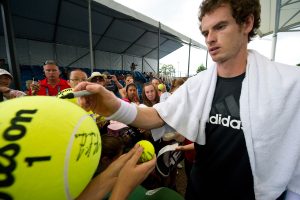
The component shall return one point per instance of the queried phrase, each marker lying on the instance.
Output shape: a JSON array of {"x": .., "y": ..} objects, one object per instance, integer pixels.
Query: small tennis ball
[
  {"x": 49, "y": 148},
  {"x": 67, "y": 91},
  {"x": 148, "y": 152},
  {"x": 160, "y": 86}
]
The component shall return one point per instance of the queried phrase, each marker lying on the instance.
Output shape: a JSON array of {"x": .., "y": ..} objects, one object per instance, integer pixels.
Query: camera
[{"x": 109, "y": 77}]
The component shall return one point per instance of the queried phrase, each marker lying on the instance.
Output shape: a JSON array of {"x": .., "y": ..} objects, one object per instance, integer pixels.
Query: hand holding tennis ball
[{"x": 148, "y": 152}]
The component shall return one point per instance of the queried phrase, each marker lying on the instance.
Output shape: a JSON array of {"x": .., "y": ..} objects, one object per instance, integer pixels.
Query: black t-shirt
[{"x": 222, "y": 168}]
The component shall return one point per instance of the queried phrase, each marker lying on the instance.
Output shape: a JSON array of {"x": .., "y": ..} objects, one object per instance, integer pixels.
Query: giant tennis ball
[
  {"x": 148, "y": 152},
  {"x": 65, "y": 92},
  {"x": 49, "y": 149}
]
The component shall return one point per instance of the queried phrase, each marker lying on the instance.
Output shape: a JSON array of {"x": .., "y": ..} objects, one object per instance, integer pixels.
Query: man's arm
[
  {"x": 10, "y": 93},
  {"x": 105, "y": 103},
  {"x": 118, "y": 84},
  {"x": 122, "y": 92},
  {"x": 147, "y": 118}
]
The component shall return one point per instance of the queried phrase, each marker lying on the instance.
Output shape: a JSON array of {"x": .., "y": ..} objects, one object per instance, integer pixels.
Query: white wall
[{"x": 31, "y": 52}]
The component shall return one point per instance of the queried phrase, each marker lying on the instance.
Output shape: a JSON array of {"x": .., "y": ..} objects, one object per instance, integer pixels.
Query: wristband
[{"x": 125, "y": 114}]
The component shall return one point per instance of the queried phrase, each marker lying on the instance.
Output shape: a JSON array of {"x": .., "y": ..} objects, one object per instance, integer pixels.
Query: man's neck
[
  {"x": 53, "y": 82},
  {"x": 233, "y": 67}
]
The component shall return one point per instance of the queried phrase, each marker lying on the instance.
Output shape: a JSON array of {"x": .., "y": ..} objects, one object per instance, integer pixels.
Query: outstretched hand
[
  {"x": 34, "y": 87},
  {"x": 105, "y": 181},
  {"x": 10, "y": 93},
  {"x": 102, "y": 102},
  {"x": 4, "y": 89},
  {"x": 131, "y": 175},
  {"x": 186, "y": 147},
  {"x": 114, "y": 168}
]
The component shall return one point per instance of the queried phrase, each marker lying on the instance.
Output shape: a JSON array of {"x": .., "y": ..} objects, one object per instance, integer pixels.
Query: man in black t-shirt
[
  {"x": 222, "y": 168},
  {"x": 225, "y": 110},
  {"x": 112, "y": 84}
]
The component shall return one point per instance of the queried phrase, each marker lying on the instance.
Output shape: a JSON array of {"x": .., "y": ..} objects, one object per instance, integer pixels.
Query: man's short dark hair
[{"x": 241, "y": 10}]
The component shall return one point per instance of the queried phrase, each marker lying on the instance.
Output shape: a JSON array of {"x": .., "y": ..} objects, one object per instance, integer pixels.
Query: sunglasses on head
[{"x": 98, "y": 78}]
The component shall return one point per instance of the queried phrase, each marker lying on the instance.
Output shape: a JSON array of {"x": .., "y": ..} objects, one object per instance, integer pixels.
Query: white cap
[
  {"x": 94, "y": 74},
  {"x": 4, "y": 72}
]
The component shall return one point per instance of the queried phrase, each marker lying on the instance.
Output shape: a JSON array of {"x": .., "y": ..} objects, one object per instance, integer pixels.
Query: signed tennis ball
[
  {"x": 148, "y": 152},
  {"x": 49, "y": 148}
]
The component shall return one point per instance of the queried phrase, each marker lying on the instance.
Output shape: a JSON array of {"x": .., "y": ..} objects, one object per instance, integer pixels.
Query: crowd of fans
[{"x": 117, "y": 138}]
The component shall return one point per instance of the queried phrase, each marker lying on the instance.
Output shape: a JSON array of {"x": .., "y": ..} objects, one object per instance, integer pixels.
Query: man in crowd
[
  {"x": 112, "y": 83},
  {"x": 5, "y": 91},
  {"x": 76, "y": 76},
  {"x": 52, "y": 84},
  {"x": 97, "y": 77}
]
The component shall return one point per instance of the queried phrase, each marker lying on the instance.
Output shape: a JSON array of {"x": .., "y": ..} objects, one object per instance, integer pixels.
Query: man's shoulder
[
  {"x": 272, "y": 66},
  {"x": 200, "y": 76},
  {"x": 43, "y": 82},
  {"x": 266, "y": 62}
]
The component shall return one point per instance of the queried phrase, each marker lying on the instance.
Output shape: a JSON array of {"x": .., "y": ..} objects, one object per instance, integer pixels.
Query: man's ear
[{"x": 248, "y": 24}]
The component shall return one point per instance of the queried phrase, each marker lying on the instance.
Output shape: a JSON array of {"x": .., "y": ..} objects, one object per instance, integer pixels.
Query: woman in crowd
[
  {"x": 150, "y": 95},
  {"x": 156, "y": 82},
  {"x": 131, "y": 94},
  {"x": 128, "y": 79}
]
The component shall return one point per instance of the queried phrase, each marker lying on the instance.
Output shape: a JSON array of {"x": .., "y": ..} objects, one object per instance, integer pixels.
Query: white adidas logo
[{"x": 225, "y": 121}]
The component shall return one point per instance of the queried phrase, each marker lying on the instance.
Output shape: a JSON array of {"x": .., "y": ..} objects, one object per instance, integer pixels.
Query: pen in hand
[{"x": 72, "y": 95}]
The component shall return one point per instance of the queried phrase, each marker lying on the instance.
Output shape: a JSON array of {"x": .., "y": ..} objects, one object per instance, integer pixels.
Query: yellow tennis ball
[
  {"x": 148, "y": 152},
  {"x": 49, "y": 148},
  {"x": 67, "y": 91},
  {"x": 160, "y": 86}
]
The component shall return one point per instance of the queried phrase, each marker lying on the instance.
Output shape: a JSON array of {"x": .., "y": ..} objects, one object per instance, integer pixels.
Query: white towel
[{"x": 270, "y": 114}]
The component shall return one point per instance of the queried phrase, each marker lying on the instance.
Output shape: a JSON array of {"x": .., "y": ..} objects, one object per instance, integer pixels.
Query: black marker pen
[{"x": 76, "y": 94}]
